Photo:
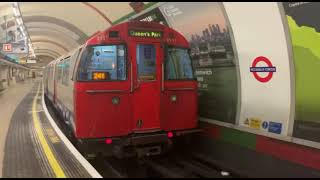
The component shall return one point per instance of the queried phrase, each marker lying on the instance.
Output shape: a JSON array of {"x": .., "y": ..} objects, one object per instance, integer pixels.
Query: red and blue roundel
[{"x": 268, "y": 68}]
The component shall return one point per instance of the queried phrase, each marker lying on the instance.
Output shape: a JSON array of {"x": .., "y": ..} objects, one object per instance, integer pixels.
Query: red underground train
[{"x": 130, "y": 86}]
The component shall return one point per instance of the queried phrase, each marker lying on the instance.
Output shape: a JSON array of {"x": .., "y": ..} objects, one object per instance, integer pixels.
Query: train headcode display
[
  {"x": 145, "y": 34},
  {"x": 100, "y": 76}
]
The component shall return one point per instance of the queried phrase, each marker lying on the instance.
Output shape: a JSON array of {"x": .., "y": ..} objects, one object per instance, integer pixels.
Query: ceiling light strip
[{"x": 19, "y": 20}]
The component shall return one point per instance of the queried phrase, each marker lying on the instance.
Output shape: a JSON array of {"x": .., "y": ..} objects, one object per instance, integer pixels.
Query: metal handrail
[{"x": 104, "y": 91}]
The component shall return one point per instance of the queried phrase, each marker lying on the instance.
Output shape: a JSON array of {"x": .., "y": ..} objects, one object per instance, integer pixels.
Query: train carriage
[{"x": 131, "y": 85}]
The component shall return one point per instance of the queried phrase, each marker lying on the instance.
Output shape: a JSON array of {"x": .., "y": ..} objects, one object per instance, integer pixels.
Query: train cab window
[
  {"x": 146, "y": 62},
  {"x": 65, "y": 71},
  {"x": 103, "y": 63},
  {"x": 178, "y": 64}
]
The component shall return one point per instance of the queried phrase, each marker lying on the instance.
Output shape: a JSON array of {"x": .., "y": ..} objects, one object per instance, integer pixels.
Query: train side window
[
  {"x": 178, "y": 64},
  {"x": 65, "y": 71},
  {"x": 59, "y": 71},
  {"x": 103, "y": 63}
]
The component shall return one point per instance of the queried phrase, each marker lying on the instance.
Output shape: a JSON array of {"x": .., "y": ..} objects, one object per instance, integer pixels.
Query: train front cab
[{"x": 139, "y": 93}]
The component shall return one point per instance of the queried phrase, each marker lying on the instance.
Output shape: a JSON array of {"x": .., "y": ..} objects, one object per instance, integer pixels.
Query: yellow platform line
[{"x": 48, "y": 152}]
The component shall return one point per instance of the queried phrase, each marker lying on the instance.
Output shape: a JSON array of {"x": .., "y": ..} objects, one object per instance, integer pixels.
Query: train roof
[{"x": 170, "y": 35}]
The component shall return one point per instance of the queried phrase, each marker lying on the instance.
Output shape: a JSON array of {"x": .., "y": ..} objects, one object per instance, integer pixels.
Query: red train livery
[{"x": 131, "y": 85}]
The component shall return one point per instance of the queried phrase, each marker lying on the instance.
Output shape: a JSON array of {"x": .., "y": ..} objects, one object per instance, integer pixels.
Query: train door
[
  {"x": 179, "y": 94},
  {"x": 146, "y": 94}
]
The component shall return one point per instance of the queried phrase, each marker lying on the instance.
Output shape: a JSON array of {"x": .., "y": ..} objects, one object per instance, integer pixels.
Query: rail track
[{"x": 172, "y": 165}]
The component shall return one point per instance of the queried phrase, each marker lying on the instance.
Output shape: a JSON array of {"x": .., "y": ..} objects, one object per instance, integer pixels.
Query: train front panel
[{"x": 134, "y": 79}]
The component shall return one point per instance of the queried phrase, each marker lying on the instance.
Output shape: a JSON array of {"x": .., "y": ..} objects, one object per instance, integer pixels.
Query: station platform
[{"x": 31, "y": 144}]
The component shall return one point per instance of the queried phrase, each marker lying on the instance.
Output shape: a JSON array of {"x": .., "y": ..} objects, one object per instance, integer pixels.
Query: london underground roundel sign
[{"x": 269, "y": 68}]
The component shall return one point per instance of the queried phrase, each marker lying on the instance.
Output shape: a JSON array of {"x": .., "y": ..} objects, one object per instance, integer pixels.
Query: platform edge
[{"x": 90, "y": 169}]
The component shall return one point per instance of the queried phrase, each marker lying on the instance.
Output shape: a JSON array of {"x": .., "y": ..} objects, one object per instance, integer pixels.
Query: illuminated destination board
[
  {"x": 145, "y": 34},
  {"x": 100, "y": 76}
]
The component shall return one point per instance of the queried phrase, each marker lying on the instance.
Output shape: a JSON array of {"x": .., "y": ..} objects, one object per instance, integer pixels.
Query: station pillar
[{"x": 3, "y": 77}]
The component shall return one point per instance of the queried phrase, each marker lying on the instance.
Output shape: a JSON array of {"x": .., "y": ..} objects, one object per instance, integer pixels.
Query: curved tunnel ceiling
[
  {"x": 47, "y": 21},
  {"x": 53, "y": 43},
  {"x": 66, "y": 41},
  {"x": 48, "y": 45},
  {"x": 48, "y": 52},
  {"x": 56, "y": 28}
]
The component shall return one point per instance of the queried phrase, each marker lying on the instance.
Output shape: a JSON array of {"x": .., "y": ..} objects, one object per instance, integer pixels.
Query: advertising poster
[
  {"x": 153, "y": 15},
  {"x": 205, "y": 27},
  {"x": 304, "y": 26}
]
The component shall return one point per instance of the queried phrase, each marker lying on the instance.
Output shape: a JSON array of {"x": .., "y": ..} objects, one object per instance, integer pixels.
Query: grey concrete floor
[{"x": 9, "y": 100}]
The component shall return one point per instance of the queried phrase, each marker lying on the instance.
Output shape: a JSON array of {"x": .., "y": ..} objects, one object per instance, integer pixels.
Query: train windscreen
[
  {"x": 103, "y": 63},
  {"x": 178, "y": 64}
]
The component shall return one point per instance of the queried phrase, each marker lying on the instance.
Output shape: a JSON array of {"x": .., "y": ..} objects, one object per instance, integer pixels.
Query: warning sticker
[
  {"x": 246, "y": 121},
  {"x": 255, "y": 123},
  {"x": 265, "y": 125},
  {"x": 275, "y": 127}
]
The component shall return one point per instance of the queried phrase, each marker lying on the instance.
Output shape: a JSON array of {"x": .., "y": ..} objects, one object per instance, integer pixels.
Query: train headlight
[
  {"x": 170, "y": 134},
  {"x": 108, "y": 141},
  {"x": 115, "y": 100},
  {"x": 173, "y": 98}
]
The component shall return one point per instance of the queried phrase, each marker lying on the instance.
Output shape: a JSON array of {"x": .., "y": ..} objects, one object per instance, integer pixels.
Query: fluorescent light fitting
[
  {"x": 16, "y": 12},
  {"x": 19, "y": 21},
  {"x": 15, "y": 4}
]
